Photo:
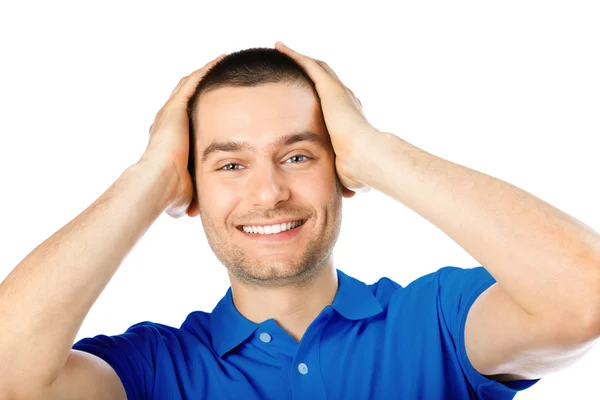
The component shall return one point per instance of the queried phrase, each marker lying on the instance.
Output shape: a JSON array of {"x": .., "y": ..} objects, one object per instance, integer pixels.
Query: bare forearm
[
  {"x": 545, "y": 259},
  {"x": 45, "y": 299}
]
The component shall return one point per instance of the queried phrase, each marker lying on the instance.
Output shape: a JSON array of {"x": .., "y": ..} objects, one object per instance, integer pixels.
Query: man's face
[{"x": 273, "y": 183}]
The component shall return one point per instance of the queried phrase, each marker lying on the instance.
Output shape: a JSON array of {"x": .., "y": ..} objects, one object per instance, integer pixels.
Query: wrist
[{"x": 156, "y": 180}]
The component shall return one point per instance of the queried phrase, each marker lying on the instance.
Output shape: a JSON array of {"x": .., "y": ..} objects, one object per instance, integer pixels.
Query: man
[{"x": 277, "y": 141}]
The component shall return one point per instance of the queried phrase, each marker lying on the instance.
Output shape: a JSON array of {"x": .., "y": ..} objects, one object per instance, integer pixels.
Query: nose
[{"x": 267, "y": 186}]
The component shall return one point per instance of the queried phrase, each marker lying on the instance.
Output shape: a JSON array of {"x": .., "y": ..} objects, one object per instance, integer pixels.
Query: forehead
[{"x": 258, "y": 114}]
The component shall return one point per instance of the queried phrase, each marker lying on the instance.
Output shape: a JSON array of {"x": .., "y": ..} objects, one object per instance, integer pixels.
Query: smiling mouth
[{"x": 292, "y": 228}]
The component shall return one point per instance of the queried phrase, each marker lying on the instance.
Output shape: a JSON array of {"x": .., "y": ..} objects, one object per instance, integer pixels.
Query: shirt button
[
  {"x": 265, "y": 337},
  {"x": 302, "y": 368}
]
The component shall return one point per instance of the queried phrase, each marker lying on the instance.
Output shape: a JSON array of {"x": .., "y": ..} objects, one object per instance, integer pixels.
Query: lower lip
[{"x": 274, "y": 237}]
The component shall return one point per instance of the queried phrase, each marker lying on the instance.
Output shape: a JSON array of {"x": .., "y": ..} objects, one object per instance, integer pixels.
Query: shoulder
[
  {"x": 196, "y": 325},
  {"x": 151, "y": 335},
  {"x": 452, "y": 279},
  {"x": 449, "y": 284},
  {"x": 387, "y": 289},
  {"x": 461, "y": 286}
]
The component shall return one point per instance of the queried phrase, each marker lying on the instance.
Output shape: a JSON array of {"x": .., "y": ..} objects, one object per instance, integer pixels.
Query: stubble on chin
[{"x": 275, "y": 273}]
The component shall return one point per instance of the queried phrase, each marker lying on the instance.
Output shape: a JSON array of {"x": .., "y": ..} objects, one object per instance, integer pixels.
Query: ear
[
  {"x": 193, "y": 210},
  {"x": 347, "y": 193}
]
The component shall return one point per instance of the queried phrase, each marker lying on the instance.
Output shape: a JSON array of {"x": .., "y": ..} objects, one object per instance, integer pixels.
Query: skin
[{"x": 298, "y": 181}]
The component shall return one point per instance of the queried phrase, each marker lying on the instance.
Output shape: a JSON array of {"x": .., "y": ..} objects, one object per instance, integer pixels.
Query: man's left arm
[{"x": 543, "y": 312}]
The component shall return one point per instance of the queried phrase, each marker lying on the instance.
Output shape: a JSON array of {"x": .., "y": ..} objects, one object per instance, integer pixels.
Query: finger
[
  {"x": 327, "y": 68},
  {"x": 187, "y": 85},
  {"x": 315, "y": 71}
]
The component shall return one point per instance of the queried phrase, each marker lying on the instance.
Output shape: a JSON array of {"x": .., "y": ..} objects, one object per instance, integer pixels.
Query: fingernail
[{"x": 281, "y": 43}]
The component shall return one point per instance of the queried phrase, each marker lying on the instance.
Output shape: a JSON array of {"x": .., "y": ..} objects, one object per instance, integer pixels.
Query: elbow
[{"x": 578, "y": 321}]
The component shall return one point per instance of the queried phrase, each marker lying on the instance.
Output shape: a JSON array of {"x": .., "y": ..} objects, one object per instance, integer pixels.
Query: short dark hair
[{"x": 244, "y": 68}]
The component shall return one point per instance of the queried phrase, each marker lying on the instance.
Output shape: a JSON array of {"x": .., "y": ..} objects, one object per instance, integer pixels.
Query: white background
[{"x": 508, "y": 88}]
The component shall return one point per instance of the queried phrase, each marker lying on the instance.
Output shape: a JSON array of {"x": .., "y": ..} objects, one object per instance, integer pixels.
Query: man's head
[{"x": 259, "y": 154}]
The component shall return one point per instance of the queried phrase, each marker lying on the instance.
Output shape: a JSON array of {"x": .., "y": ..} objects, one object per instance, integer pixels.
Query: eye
[
  {"x": 227, "y": 167},
  {"x": 297, "y": 156},
  {"x": 232, "y": 166}
]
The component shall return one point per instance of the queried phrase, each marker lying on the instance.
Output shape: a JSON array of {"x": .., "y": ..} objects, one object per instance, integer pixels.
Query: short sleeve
[
  {"x": 458, "y": 290},
  {"x": 130, "y": 354}
]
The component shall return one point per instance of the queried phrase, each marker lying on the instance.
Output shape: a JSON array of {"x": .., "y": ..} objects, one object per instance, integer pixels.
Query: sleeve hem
[
  {"x": 476, "y": 379},
  {"x": 93, "y": 350}
]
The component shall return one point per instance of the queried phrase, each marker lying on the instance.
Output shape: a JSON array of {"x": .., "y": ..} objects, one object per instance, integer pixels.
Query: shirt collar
[{"x": 353, "y": 300}]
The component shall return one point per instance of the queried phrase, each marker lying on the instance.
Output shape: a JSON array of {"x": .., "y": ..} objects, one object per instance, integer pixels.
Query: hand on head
[{"x": 168, "y": 145}]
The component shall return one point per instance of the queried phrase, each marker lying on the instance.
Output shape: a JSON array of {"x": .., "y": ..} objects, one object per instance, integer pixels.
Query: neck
[{"x": 292, "y": 307}]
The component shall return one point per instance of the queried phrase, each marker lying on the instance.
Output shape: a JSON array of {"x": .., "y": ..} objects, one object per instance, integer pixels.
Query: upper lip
[{"x": 274, "y": 222}]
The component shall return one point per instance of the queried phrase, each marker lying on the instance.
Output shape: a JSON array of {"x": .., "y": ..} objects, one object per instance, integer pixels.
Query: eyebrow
[{"x": 237, "y": 146}]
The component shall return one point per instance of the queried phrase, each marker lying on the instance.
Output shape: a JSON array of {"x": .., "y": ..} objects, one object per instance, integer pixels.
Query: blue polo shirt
[{"x": 378, "y": 341}]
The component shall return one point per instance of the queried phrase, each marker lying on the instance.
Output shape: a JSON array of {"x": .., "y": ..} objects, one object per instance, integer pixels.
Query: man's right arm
[{"x": 45, "y": 299}]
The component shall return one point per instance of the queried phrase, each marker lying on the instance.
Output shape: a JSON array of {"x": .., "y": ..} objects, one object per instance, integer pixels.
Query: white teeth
[{"x": 272, "y": 229}]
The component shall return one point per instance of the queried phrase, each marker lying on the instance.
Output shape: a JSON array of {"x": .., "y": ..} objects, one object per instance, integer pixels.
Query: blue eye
[{"x": 231, "y": 167}]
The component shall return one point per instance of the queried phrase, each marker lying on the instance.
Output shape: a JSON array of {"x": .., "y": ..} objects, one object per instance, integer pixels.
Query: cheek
[
  {"x": 319, "y": 188},
  {"x": 217, "y": 201}
]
